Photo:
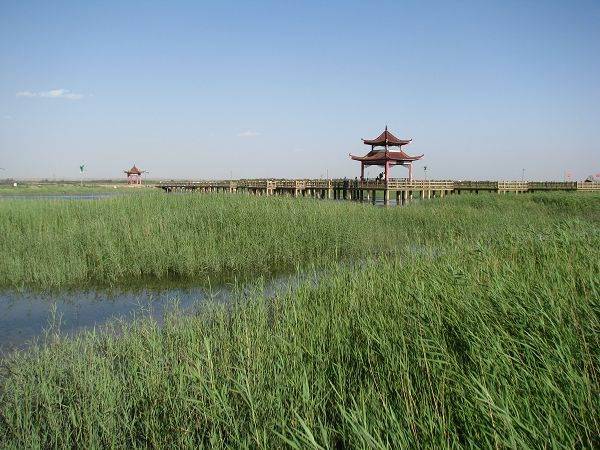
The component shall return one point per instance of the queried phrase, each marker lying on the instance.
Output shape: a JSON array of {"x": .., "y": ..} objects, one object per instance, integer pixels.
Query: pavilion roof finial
[{"x": 386, "y": 138}]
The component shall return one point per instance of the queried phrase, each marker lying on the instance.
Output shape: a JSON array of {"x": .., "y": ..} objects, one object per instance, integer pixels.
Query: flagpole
[{"x": 81, "y": 168}]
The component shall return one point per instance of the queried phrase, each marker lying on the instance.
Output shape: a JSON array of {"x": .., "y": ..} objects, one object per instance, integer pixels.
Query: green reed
[
  {"x": 69, "y": 243},
  {"x": 64, "y": 188},
  {"x": 480, "y": 329}
]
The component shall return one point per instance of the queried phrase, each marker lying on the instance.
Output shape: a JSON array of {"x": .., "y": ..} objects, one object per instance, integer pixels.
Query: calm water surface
[{"x": 25, "y": 315}]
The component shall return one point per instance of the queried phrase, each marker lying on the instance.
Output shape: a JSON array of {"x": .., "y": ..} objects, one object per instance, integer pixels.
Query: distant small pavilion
[
  {"x": 134, "y": 175},
  {"x": 380, "y": 155}
]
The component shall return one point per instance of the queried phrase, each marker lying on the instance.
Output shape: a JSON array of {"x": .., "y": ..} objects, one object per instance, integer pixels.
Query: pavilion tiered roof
[
  {"x": 386, "y": 139},
  {"x": 133, "y": 171},
  {"x": 383, "y": 156},
  {"x": 379, "y": 157}
]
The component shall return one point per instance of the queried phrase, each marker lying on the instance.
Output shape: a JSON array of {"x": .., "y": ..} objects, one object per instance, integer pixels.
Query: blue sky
[{"x": 288, "y": 89}]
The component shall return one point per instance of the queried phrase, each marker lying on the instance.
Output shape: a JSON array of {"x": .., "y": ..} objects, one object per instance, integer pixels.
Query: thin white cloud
[
  {"x": 8, "y": 117},
  {"x": 26, "y": 94},
  {"x": 248, "y": 133},
  {"x": 54, "y": 93}
]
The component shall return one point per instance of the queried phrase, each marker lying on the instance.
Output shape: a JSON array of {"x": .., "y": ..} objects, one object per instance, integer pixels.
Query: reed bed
[
  {"x": 56, "y": 244},
  {"x": 479, "y": 329},
  {"x": 33, "y": 189}
]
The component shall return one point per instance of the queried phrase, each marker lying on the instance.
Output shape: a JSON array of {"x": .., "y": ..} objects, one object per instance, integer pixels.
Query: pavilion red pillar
[
  {"x": 362, "y": 171},
  {"x": 387, "y": 170},
  {"x": 410, "y": 172}
]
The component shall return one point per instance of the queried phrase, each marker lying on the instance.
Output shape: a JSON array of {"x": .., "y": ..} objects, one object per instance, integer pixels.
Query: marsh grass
[
  {"x": 483, "y": 333},
  {"x": 73, "y": 188},
  {"x": 57, "y": 244}
]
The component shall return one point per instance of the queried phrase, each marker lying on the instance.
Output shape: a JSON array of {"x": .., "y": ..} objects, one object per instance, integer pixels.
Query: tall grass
[
  {"x": 483, "y": 335},
  {"x": 58, "y": 188},
  {"x": 65, "y": 243}
]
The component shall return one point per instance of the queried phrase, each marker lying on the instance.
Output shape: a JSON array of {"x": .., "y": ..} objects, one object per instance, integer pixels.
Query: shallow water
[{"x": 25, "y": 315}]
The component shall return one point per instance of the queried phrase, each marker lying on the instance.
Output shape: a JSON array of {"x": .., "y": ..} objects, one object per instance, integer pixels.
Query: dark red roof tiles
[
  {"x": 133, "y": 171},
  {"x": 382, "y": 156},
  {"x": 387, "y": 138}
]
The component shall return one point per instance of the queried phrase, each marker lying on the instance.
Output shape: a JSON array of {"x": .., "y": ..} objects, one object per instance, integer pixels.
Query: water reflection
[{"x": 25, "y": 315}]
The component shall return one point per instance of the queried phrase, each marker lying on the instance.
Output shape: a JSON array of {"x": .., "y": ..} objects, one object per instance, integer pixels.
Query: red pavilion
[
  {"x": 380, "y": 155},
  {"x": 134, "y": 175}
]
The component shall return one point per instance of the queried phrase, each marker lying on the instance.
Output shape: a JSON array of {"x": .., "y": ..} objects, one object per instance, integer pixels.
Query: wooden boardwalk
[{"x": 369, "y": 190}]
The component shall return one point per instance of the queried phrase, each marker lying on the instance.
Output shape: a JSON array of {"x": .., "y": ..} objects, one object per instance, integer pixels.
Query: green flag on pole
[{"x": 81, "y": 169}]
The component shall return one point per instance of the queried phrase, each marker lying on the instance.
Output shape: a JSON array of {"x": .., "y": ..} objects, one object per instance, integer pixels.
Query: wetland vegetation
[
  {"x": 471, "y": 320},
  {"x": 59, "y": 244},
  {"x": 61, "y": 188}
]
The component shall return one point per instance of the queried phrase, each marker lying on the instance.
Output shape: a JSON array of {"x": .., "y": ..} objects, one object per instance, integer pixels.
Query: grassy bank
[
  {"x": 57, "y": 243},
  {"x": 485, "y": 334}
]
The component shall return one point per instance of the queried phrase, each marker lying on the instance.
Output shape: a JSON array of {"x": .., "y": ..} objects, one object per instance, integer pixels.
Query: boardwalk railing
[
  {"x": 403, "y": 189},
  {"x": 588, "y": 186},
  {"x": 554, "y": 185}
]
